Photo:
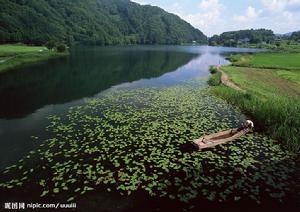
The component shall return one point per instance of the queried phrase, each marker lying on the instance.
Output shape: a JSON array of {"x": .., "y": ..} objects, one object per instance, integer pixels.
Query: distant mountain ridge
[
  {"x": 101, "y": 22},
  {"x": 288, "y": 34}
]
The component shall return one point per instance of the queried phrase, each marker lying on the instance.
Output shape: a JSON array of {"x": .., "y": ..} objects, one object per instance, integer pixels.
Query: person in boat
[{"x": 247, "y": 125}]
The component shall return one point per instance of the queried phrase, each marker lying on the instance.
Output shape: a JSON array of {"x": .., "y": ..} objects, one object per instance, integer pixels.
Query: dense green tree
[
  {"x": 50, "y": 44},
  {"x": 100, "y": 22},
  {"x": 295, "y": 36},
  {"x": 278, "y": 44},
  {"x": 61, "y": 48},
  {"x": 251, "y": 36}
]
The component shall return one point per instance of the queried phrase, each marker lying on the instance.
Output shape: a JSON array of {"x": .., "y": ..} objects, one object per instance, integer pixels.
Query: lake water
[
  {"x": 110, "y": 128},
  {"x": 30, "y": 94}
]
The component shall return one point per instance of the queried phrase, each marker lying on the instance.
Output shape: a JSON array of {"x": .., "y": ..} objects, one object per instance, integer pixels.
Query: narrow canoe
[{"x": 219, "y": 138}]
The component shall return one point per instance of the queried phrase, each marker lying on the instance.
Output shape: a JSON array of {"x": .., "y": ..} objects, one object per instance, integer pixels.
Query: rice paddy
[{"x": 131, "y": 140}]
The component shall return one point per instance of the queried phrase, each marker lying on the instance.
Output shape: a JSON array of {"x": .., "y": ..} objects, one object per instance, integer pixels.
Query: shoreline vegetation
[
  {"x": 272, "y": 84},
  {"x": 13, "y": 56}
]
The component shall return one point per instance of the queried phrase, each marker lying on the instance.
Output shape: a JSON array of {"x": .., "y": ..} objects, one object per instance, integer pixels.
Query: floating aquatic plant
[{"x": 129, "y": 140}]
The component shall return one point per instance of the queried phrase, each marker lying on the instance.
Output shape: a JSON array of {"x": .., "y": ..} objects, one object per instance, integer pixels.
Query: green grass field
[
  {"x": 267, "y": 83},
  {"x": 272, "y": 98},
  {"x": 15, "y": 55},
  {"x": 285, "y": 60},
  {"x": 293, "y": 76},
  {"x": 15, "y": 49}
]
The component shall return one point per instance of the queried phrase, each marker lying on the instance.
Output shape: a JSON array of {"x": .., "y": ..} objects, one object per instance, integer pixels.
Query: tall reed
[{"x": 279, "y": 116}]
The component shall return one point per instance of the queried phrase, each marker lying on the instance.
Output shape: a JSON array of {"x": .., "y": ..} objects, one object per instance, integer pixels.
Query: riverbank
[
  {"x": 271, "y": 82},
  {"x": 15, "y": 55}
]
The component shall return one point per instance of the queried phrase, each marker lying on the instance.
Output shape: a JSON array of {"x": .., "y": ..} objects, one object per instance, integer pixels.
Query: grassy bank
[
  {"x": 215, "y": 78},
  {"x": 274, "y": 60},
  {"x": 15, "y": 55},
  {"x": 273, "y": 93}
]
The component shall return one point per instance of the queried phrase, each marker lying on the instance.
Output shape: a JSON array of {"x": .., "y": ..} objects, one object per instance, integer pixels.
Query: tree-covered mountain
[
  {"x": 101, "y": 22},
  {"x": 295, "y": 36},
  {"x": 251, "y": 36}
]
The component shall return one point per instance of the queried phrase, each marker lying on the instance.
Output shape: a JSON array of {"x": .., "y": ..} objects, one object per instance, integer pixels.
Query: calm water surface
[{"x": 29, "y": 95}]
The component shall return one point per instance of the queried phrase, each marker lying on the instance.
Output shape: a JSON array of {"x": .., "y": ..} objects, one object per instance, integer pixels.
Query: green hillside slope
[{"x": 101, "y": 22}]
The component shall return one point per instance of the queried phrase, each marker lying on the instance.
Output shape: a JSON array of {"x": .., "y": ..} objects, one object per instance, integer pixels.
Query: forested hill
[
  {"x": 101, "y": 22},
  {"x": 234, "y": 38},
  {"x": 295, "y": 36}
]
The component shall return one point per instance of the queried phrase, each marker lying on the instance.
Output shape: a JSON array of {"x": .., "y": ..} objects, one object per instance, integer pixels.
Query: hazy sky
[{"x": 217, "y": 16}]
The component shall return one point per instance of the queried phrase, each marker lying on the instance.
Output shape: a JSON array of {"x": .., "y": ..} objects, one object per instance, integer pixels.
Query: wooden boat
[{"x": 219, "y": 138}]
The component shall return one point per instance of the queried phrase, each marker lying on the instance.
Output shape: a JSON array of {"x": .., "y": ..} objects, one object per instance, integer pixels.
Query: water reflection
[
  {"x": 197, "y": 67},
  {"x": 83, "y": 74}
]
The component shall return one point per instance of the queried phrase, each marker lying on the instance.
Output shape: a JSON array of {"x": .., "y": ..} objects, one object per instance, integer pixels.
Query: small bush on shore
[
  {"x": 50, "y": 45},
  {"x": 213, "y": 69},
  {"x": 215, "y": 79},
  {"x": 61, "y": 48}
]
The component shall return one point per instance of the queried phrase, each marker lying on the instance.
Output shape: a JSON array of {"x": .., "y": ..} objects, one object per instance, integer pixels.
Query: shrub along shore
[
  {"x": 16, "y": 55},
  {"x": 272, "y": 98}
]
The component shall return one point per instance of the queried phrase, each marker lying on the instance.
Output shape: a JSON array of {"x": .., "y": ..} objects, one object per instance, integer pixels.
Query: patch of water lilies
[{"x": 131, "y": 140}]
